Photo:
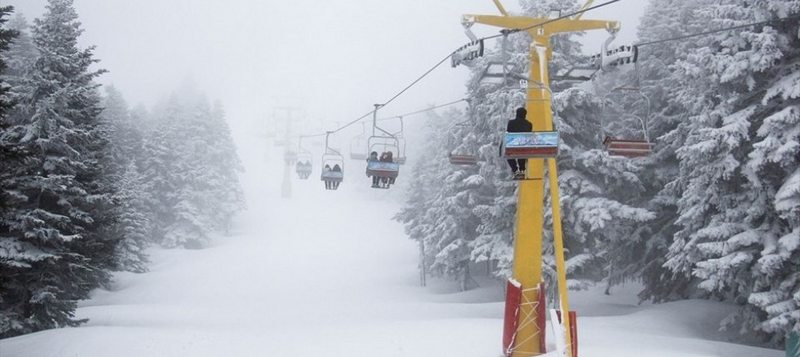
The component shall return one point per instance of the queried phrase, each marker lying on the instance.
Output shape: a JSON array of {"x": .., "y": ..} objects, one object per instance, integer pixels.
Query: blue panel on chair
[
  {"x": 531, "y": 140},
  {"x": 543, "y": 144},
  {"x": 382, "y": 166},
  {"x": 333, "y": 175}
]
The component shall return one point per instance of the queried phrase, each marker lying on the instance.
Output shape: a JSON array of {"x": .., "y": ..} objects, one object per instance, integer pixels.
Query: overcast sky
[{"x": 335, "y": 58}]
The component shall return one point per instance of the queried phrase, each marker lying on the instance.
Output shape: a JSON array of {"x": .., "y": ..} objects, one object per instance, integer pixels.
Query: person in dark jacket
[
  {"x": 519, "y": 125},
  {"x": 386, "y": 157},
  {"x": 373, "y": 156},
  {"x": 335, "y": 184},
  {"x": 328, "y": 183}
]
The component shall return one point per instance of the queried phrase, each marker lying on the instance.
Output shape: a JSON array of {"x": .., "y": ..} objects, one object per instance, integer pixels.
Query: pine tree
[
  {"x": 191, "y": 167},
  {"x": 8, "y": 35},
  {"x": 664, "y": 85},
  {"x": 740, "y": 149},
  {"x": 224, "y": 168},
  {"x": 131, "y": 224},
  {"x": 20, "y": 58},
  {"x": 55, "y": 253},
  {"x": 159, "y": 169}
]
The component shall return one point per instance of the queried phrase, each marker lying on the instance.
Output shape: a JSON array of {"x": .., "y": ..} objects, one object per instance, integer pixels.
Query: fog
[
  {"x": 145, "y": 234},
  {"x": 334, "y": 59}
]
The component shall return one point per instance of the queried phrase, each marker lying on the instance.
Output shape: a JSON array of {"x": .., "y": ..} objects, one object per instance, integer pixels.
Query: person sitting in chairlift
[
  {"x": 373, "y": 156},
  {"x": 389, "y": 158},
  {"x": 386, "y": 157},
  {"x": 325, "y": 170},
  {"x": 519, "y": 125},
  {"x": 335, "y": 183}
]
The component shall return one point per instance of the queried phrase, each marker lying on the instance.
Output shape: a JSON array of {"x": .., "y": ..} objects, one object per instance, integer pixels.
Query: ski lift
[
  {"x": 386, "y": 170},
  {"x": 576, "y": 73},
  {"x": 531, "y": 145},
  {"x": 613, "y": 57},
  {"x": 401, "y": 144},
  {"x": 333, "y": 166},
  {"x": 629, "y": 147},
  {"x": 462, "y": 159},
  {"x": 500, "y": 72},
  {"x": 290, "y": 157},
  {"x": 358, "y": 144},
  {"x": 303, "y": 167}
]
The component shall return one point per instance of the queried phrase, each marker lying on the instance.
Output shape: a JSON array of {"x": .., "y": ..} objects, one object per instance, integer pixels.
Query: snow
[{"x": 327, "y": 273}]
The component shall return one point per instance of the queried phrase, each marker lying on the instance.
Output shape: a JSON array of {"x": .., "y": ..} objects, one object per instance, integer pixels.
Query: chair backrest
[
  {"x": 628, "y": 148},
  {"x": 382, "y": 144},
  {"x": 543, "y": 144},
  {"x": 463, "y": 160}
]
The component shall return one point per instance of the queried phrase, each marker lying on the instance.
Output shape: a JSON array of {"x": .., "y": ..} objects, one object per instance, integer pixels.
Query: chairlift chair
[
  {"x": 290, "y": 157},
  {"x": 358, "y": 145},
  {"x": 303, "y": 167},
  {"x": 386, "y": 172},
  {"x": 629, "y": 147},
  {"x": 331, "y": 177},
  {"x": 463, "y": 160},
  {"x": 330, "y": 159},
  {"x": 610, "y": 58}
]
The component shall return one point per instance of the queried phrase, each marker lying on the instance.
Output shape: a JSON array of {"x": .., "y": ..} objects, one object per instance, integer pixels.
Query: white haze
[{"x": 332, "y": 58}]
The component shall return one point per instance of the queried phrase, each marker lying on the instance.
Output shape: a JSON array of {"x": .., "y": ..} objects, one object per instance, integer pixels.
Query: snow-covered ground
[{"x": 329, "y": 274}]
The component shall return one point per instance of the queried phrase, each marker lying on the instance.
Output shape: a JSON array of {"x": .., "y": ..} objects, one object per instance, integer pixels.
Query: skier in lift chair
[{"x": 519, "y": 125}]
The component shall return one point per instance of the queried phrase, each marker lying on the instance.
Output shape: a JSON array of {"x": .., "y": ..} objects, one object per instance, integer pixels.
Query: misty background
[{"x": 334, "y": 59}]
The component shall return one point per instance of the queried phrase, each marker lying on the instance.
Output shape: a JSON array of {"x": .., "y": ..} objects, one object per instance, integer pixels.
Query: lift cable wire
[
  {"x": 443, "y": 60},
  {"x": 424, "y": 110},
  {"x": 312, "y": 135},
  {"x": 710, "y": 32}
]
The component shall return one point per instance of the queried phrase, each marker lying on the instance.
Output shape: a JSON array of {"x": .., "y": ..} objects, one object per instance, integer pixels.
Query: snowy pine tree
[
  {"x": 132, "y": 224},
  {"x": 20, "y": 58},
  {"x": 191, "y": 169},
  {"x": 663, "y": 84},
  {"x": 736, "y": 150},
  {"x": 54, "y": 250}
]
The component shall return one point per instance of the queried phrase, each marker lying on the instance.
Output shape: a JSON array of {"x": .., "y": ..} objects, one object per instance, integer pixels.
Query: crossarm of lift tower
[{"x": 542, "y": 26}]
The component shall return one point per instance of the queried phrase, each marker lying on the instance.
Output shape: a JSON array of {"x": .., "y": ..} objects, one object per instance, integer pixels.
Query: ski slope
[{"x": 329, "y": 274}]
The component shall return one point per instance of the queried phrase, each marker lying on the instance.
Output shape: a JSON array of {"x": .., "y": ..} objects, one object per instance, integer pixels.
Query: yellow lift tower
[{"x": 530, "y": 202}]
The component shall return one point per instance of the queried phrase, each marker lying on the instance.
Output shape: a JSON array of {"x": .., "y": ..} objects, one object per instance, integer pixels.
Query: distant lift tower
[
  {"x": 289, "y": 156},
  {"x": 527, "y": 272}
]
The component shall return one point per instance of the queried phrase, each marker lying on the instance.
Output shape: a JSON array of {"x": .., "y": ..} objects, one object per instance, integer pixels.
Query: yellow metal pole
[
  {"x": 584, "y": 7},
  {"x": 530, "y": 211},
  {"x": 500, "y": 7},
  {"x": 558, "y": 241},
  {"x": 529, "y": 227},
  {"x": 528, "y": 255}
]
